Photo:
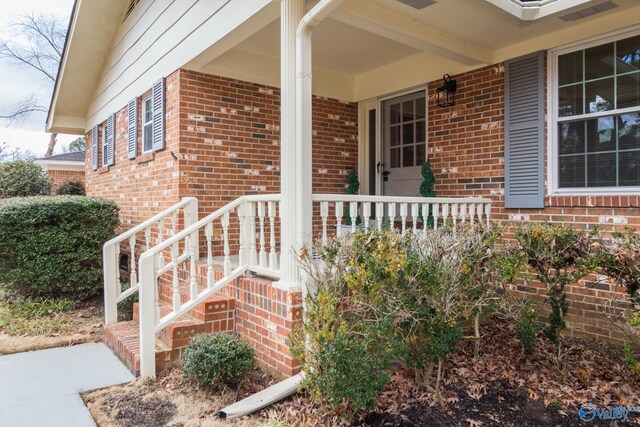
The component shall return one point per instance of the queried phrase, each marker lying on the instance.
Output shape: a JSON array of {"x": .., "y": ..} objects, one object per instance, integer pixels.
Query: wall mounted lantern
[{"x": 447, "y": 92}]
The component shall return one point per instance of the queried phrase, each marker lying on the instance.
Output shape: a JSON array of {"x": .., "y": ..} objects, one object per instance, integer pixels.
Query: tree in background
[
  {"x": 8, "y": 154},
  {"x": 36, "y": 42},
  {"x": 78, "y": 144}
]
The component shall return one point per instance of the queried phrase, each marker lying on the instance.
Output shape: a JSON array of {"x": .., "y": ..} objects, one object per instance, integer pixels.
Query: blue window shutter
[
  {"x": 94, "y": 147},
  {"x": 158, "y": 114},
  {"x": 111, "y": 125},
  {"x": 524, "y": 135},
  {"x": 132, "y": 129}
]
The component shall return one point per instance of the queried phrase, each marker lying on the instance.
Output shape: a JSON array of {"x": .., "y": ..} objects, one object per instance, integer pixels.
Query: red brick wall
[
  {"x": 60, "y": 177},
  {"x": 466, "y": 150}
]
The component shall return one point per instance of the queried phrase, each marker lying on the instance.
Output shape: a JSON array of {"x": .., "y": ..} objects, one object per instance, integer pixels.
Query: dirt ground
[{"x": 86, "y": 326}]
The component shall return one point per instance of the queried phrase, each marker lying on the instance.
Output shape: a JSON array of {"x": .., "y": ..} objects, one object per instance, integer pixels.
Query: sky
[{"x": 17, "y": 83}]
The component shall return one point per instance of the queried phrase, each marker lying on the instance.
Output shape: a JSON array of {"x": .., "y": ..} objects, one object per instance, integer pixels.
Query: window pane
[
  {"x": 421, "y": 154},
  {"x": 395, "y": 113},
  {"x": 148, "y": 137},
  {"x": 570, "y": 100},
  {"x": 598, "y": 61},
  {"x": 395, "y": 158},
  {"x": 571, "y": 137},
  {"x": 394, "y": 135},
  {"x": 407, "y": 133},
  {"x": 629, "y": 90},
  {"x": 629, "y": 131},
  {"x": 407, "y": 156},
  {"x": 148, "y": 110},
  {"x": 420, "y": 108},
  {"x": 407, "y": 111},
  {"x": 599, "y": 95},
  {"x": 628, "y": 51},
  {"x": 421, "y": 131},
  {"x": 601, "y": 134},
  {"x": 571, "y": 171},
  {"x": 570, "y": 68},
  {"x": 629, "y": 168},
  {"x": 601, "y": 170}
]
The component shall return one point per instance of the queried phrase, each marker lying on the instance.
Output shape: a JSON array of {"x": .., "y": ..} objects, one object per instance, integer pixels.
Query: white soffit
[{"x": 533, "y": 10}]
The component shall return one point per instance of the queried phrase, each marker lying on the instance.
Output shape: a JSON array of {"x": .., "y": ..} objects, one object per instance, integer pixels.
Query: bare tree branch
[{"x": 20, "y": 111}]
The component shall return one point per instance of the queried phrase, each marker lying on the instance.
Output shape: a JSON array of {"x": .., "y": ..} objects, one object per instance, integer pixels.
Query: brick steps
[{"x": 216, "y": 314}]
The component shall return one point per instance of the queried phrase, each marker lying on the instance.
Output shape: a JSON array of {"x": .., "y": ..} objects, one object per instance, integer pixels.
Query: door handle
[
  {"x": 378, "y": 166},
  {"x": 386, "y": 173}
]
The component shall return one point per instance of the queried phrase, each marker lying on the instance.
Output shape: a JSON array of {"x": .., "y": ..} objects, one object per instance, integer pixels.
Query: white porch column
[{"x": 290, "y": 15}]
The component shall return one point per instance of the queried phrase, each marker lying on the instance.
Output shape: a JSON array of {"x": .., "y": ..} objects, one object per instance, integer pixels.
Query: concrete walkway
[{"x": 41, "y": 388}]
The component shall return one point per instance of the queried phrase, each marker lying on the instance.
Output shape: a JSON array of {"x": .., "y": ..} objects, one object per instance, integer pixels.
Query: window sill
[
  {"x": 103, "y": 169},
  {"x": 146, "y": 157},
  {"x": 593, "y": 201}
]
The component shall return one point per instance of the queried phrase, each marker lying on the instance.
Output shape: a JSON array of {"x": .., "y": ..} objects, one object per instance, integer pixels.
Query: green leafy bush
[
  {"x": 71, "y": 188},
  {"x": 22, "y": 179},
  {"x": 217, "y": 360},
  {"x": 52, "y": 246}
]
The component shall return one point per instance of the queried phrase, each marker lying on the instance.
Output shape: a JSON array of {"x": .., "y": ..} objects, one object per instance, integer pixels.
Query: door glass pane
[
  {"x": 628, "y": 88},
  {"x": 407, "y": 156},
  {"x": 407, "y": 111},
  {"x": 421, "y": 131},
  {"x": 628, "y": 54},
  {"x": 421, "y": 108},
  {"x": 601, "y": 170},
  {"x": 395, "y": 157},
  {"x": 570, "y": 100},
  {"x": 394, "y": 135},
  {"x": 421, "y": 154},
  {"x": 572, "y": 171},
  {"x": 570, "y": 68},
  {"x": 394, "y": 113},
  {"x": 629, "y": 131},
  {"x": 598, "y": 61},
  {"x": 601, "y": 134},
  {"x": 630, "y": 168},
  {"x": 599, "y": 95},
  {"x": 407, "y": 134},
  {"x": 571, "y": 136}
]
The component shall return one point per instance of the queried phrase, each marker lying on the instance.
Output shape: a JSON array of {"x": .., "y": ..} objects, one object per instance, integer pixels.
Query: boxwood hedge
[{"x": 52, "y": 246}]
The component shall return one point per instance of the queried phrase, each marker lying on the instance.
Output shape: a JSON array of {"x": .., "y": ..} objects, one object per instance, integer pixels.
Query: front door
[{"x": 404, "y": 141}]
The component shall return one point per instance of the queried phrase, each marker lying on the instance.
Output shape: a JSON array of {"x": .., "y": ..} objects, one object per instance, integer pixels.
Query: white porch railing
[
  {"x": 164, "y": 223},
  {"x": 402, "y": 211},
  {"x": 246, "y": 230}
]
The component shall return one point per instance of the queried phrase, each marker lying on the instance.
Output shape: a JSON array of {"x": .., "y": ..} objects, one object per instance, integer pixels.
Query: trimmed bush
[
  {"x": 217, "y": 360},
  {"x": 22, "y": 179},
  {"x": 71, "y": 188},
  {"x": 52, "y": 246}
]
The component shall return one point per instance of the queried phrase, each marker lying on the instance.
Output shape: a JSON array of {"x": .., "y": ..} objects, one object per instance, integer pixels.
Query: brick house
[
  {"x": 65, "y": 167},
  {"x": 225, "y": 146}
]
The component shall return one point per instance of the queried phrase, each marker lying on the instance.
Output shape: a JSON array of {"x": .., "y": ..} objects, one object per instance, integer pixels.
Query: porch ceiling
[{"x": 377, "y": 46}]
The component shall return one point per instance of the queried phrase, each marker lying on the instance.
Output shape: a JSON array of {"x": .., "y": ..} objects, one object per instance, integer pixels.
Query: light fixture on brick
[{"x": 446, "y": 94}]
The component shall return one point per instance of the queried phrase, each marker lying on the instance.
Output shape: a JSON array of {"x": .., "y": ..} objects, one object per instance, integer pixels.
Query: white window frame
[
  {"x": 146, "y": 98},
  {"x": 103, "y": 145},
  {"x": 553, "y": 188}
]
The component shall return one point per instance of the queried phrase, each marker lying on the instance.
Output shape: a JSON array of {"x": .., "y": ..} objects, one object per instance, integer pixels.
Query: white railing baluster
[
  {"x": 242, "y": 219},
  {"x": 436, "y": 215},
  {"x": 463, "y": 213},
  {"x": 263, "y": 251},
  {"x": 175, "y": 251},
  {"x": 353, "y": 213},
  {"x": 392, "y": 215},
  {"x": 379, "y": 215},
  {"x": 339, "y": 214},
  {"x": 273, "y": 257},
  {"x": 403, "y": 216},
  {"x": 454, "y": 214},
  {"x": 480, "y": 208},
  {"x": 487, "y": 212},
  {"x": 193, "y": 281},
  {"x": 414, "y": 215},
  {"x": 472, "y": 213},
  {"x": 208, "y": 232},
  {"x": 160, "y": 259},
  {"x": 324, "y": 215},
  {"x": 147, "y": 238},
  {"x": 132, "y": 248},
  {"x": 253, "y": 250},
  {"x": 174, "y": 223},
  {"x": 118, "y": 283},
  {"x": 226, "y": 263},
  {"x": 366, "y": 213},
  {"x": 445, "y": 214},
  {"x": 425, "y": 217}
]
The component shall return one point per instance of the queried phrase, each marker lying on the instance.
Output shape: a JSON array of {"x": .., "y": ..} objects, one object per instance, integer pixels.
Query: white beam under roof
[
  {"x": 532, "y": 10},
  {"x": 400, "y": 28}
]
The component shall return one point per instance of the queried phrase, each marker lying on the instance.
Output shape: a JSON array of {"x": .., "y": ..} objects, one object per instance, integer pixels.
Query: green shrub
[
  {"x": 71, "y": 188},
  {"x": 217, "y": 360},
  {"x": 52, "y": 246},
  {"x": 22, "y": 179}
]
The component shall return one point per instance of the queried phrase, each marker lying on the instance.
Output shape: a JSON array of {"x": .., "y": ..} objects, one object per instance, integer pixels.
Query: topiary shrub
[
  {"x": 22, "y": 179},
  {"x": 71, "y": 188},
  {"x": 52, "y": 246},
  {"x": 217, "y": 360}
]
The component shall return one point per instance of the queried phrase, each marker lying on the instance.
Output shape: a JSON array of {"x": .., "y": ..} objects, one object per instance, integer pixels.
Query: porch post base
[{"x": 286, "y": 285}]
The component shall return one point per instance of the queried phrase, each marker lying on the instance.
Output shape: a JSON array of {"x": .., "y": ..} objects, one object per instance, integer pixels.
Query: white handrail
[{"x": 396, "y": 199}]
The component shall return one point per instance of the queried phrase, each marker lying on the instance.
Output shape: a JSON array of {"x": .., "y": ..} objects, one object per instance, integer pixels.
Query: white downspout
[{"x": 303, "y": 204}]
